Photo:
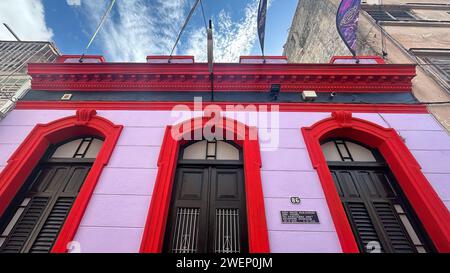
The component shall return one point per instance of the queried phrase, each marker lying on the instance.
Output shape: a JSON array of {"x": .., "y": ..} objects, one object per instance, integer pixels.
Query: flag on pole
[
  {"x": 262, "y": 11},
  {"x": 347, "y": 22},
  {"x": 210, "y": 48}
]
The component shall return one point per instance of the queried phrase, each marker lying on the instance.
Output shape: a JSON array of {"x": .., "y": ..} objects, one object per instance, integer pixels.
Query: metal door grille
[
  {"x": 227, "y": 237},
  {"x": 185, "y": 234}
]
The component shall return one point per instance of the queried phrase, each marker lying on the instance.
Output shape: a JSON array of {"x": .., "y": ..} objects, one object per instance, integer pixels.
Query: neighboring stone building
[
  {"x": 14, "y": 57},
  {"x": 412, "y": 33}
]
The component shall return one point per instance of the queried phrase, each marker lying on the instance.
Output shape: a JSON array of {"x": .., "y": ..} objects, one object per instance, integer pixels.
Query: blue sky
[{"x": 137, "y": 28}]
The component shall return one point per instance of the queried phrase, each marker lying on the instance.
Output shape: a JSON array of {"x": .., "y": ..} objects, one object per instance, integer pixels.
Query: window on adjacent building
[
  {"x": 442, "y": 63},
  {"x": 437, "y": 62},
  {"x": 391, "y": 15}
]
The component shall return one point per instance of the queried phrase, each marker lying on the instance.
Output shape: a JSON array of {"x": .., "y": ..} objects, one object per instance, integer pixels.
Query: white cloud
[
  {"x": 73, "y": 2},
  {"x": 26, "y": 18},
  {"x": 137, "y": 28},
  {"x": 231, "y": 39}
]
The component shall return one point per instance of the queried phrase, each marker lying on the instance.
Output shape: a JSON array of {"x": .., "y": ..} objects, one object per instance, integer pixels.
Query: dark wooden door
[
  {"x": 208, "y": 213},
  {"x": 39, "y": 211},
  {"x": 380, "y": 216}
]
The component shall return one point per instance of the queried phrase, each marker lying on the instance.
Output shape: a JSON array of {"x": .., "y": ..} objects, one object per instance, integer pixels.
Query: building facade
[
  {"x": 14, "y": 79},
  {"x": 116, "y": 157},
  {"x": 398, "y": 30}
]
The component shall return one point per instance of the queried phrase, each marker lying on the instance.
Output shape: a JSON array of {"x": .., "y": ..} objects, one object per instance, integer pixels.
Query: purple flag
[
  {"x": 262, "y": 11},
  {"x": 347, "y": 22}
]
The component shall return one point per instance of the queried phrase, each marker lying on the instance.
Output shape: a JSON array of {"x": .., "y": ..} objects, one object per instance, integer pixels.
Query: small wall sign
[
  {"x": 299, "y": 217},
  {"x": 295, "y": 200}
]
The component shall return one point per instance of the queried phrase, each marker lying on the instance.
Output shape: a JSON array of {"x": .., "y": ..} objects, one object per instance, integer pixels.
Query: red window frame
[
  {"x": 29, "y": 153},
  {"x": 430, "y": 209},
  {"x": 153, "y": 236}
]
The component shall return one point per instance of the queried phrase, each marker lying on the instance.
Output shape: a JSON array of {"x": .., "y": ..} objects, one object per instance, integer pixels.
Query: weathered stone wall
[{"x": 313, "y": 37}]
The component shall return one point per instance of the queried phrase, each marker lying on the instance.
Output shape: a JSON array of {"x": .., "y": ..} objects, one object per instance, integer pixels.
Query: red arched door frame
[
  {"x": 29, "y": 153},
  {"x": 153, "y": 236},
  {"x": 428, "y": 206}
]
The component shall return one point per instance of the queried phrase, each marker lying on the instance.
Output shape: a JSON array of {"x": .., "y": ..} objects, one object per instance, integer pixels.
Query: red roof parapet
[
  {"x": 190, "y": 76},
  {"x": 79, "y": 59}
]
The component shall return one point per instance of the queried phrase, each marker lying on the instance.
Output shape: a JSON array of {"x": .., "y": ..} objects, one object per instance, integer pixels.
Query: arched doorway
[
  {"x": 34, "y": 148},
  {"x": 153, "y": 238},
  {"x": 36, "y": 215},
  {"x": 425, "y": 202},
  {"x": 208, "y": 212},
  {"x": 381, "y": 218}
]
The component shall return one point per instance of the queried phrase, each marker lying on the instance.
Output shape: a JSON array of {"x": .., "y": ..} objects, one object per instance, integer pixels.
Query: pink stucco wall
[{"x": 116, "y": 215}]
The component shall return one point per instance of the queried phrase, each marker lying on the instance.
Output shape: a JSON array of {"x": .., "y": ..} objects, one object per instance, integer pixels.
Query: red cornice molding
[
  {"x": 283, "y": 107},
  {"x": 430, "y": 209},
  {"x": 29, "y": 153},
  {"x": 228, "y": 77},
  {"x": 258, "y": 237}
]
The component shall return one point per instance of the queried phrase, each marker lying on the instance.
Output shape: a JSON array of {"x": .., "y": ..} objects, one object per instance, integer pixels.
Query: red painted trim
[
  {"x": 178, "y": 57},
  {"x": 263, "y": 57},
  {"x": 283, "y": 107},
  {"x": 153, "y": 236},
  {"x": 228, "y": 77},
  {"x": 378, "y": 59},
  {"x": 62, "y": 58},
  {"x": 26, "y": 157},
  {"x": 428, "y": 206},
  {"x": 252, "y": 57}
]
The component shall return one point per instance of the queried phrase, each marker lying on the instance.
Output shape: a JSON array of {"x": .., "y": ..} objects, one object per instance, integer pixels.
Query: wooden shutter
[
  {"x": 208, "y": 211},
  {"x": 25, "y": 225},
  {"x": 362, "y": 224},
  {"x": 368, "y": 197},
  {"x": 393, "y": 228},
  {"x": 227, "y": 222},
  {"x": 52, "y": 225},
  {"x": 52, "y": 191}
]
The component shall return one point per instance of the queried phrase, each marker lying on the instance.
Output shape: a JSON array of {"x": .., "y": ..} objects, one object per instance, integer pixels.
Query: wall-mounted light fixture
[{"x": 309, "y": 95}]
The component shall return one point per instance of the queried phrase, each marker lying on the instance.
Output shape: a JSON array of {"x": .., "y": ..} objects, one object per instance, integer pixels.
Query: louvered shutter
[
  {"x": 368, "y": 197},
  {"x": 52, "y": 225},
  {"x": 52, "y": 194},
  {"x": 393, "y": 228},
  {"x": 362, "y": 224},
  {"x": 25, "y": 225}
]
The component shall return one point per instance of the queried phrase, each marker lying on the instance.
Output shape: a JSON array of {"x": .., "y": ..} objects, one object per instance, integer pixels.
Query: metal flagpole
[
  {"x": 12, "y": 32},
  {"x": 111, "y": 5},
  {"x": 210, "y": 46},
  {"x": 183, "y": 27}
]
